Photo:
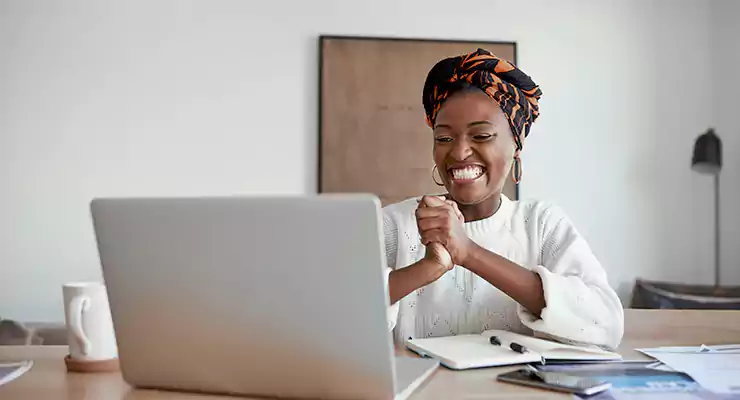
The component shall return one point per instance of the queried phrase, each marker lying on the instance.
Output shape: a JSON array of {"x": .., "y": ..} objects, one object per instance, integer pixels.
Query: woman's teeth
[{"x": 467, "y": 173}]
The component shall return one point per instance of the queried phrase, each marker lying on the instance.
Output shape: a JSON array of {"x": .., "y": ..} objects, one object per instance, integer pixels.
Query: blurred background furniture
[
  {"x": 663, "y": 295},
  {"x": 706, "y": 159},
  {"x": 15, "y": 333}
]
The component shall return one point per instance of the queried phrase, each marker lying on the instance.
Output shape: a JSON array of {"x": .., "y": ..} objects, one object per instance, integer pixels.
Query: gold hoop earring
[
  {"x": 434, "y": 178},
  {"x": 516, "y": 173}
]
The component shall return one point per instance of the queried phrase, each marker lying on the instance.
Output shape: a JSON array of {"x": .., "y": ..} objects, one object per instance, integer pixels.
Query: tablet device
[{"x": 555, "y": 381}]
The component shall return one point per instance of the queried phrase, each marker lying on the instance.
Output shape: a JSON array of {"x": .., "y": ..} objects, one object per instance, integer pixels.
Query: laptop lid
[{"x": 276, "y": 296}]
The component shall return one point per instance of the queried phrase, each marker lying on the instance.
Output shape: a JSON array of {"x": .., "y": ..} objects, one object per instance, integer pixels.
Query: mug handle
[{"x": 77, "y": 306}]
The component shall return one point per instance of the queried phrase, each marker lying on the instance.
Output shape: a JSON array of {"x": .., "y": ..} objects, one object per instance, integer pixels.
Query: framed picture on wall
[{"x": 372, "y": 130}]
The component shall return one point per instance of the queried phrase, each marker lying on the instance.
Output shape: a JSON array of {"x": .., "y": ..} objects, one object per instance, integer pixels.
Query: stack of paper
[
  {"x": 11, "y": 371},
  {"x": 716, "y": 368}
]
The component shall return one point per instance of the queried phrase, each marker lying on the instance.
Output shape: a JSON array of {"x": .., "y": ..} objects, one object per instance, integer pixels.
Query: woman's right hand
[{"x": 438, "y": 254}]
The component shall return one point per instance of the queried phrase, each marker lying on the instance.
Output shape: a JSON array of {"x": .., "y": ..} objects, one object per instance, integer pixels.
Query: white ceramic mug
[{"x": 90, "y": 331}]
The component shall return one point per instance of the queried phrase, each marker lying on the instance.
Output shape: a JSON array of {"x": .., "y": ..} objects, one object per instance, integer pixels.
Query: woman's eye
[
  {"x": 443, "y": 139},
  {"x": 482, "y": 136}
]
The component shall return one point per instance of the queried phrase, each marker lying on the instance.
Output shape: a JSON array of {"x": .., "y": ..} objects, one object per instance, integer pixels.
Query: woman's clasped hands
[{"x": 440, "y": 224}]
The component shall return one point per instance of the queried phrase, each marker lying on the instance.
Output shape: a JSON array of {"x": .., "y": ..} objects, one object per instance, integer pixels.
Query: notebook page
[{"x": 550, "y": 349}]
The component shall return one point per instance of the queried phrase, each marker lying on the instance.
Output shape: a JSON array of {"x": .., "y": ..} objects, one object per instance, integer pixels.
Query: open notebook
[{"x": 476, "y": 351}]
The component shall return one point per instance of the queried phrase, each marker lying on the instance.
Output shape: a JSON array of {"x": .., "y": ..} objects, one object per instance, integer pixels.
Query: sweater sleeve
[
  {"x": 580, "y": 306},
  {"x": 390, "y": 234}
]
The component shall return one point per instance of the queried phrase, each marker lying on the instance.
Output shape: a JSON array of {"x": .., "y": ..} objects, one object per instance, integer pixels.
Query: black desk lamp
[{"x": 707, "y": 159}]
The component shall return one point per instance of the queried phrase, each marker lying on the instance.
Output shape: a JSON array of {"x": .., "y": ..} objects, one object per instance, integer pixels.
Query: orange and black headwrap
[{"x": 512, "y": 89}]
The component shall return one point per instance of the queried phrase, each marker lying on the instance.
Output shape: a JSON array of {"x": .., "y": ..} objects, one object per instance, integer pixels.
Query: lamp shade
[{"x": 707, "y": 157}]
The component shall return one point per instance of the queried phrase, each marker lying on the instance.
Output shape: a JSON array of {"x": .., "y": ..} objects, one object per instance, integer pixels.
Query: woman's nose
[{"x": 461, "y": 150}]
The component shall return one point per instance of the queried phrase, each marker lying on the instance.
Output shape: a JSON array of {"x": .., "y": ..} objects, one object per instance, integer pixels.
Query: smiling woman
[
  {"x": 471, "y": 123},
  {"x": 473, "y": 260}
]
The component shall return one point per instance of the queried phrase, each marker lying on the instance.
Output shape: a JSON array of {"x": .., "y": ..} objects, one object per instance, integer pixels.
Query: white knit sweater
[{"x": 581, "y": 307}]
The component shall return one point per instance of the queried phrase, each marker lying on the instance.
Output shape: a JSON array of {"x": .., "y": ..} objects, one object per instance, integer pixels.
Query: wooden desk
[{"x": 48, "y": 379}]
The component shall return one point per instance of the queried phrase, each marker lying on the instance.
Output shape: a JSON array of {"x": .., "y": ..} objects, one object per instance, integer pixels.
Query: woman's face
[{"x": 473, "y": 147}]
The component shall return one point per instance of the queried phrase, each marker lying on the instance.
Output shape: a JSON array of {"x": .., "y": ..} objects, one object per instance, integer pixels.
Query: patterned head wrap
[{"x": 512, "y": 89}]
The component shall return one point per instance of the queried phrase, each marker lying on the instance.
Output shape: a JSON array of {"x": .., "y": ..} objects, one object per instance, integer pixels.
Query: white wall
[{"x": 105, "y": 98}]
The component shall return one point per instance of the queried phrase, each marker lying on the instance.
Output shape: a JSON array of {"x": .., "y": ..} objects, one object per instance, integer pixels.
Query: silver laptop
[{"x": 264, "y": 296}]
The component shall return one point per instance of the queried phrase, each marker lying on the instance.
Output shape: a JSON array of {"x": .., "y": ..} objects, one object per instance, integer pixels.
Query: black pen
[
  {"x": 518, "y": 347},
  {"x": 514, "y": 346}
]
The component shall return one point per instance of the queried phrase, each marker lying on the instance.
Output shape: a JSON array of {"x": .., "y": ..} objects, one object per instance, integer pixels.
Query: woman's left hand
[{"x": 441, "y": 221}]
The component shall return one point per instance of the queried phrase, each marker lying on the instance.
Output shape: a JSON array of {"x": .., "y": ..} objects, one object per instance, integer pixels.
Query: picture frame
[{"x": 373, "y": 137}]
